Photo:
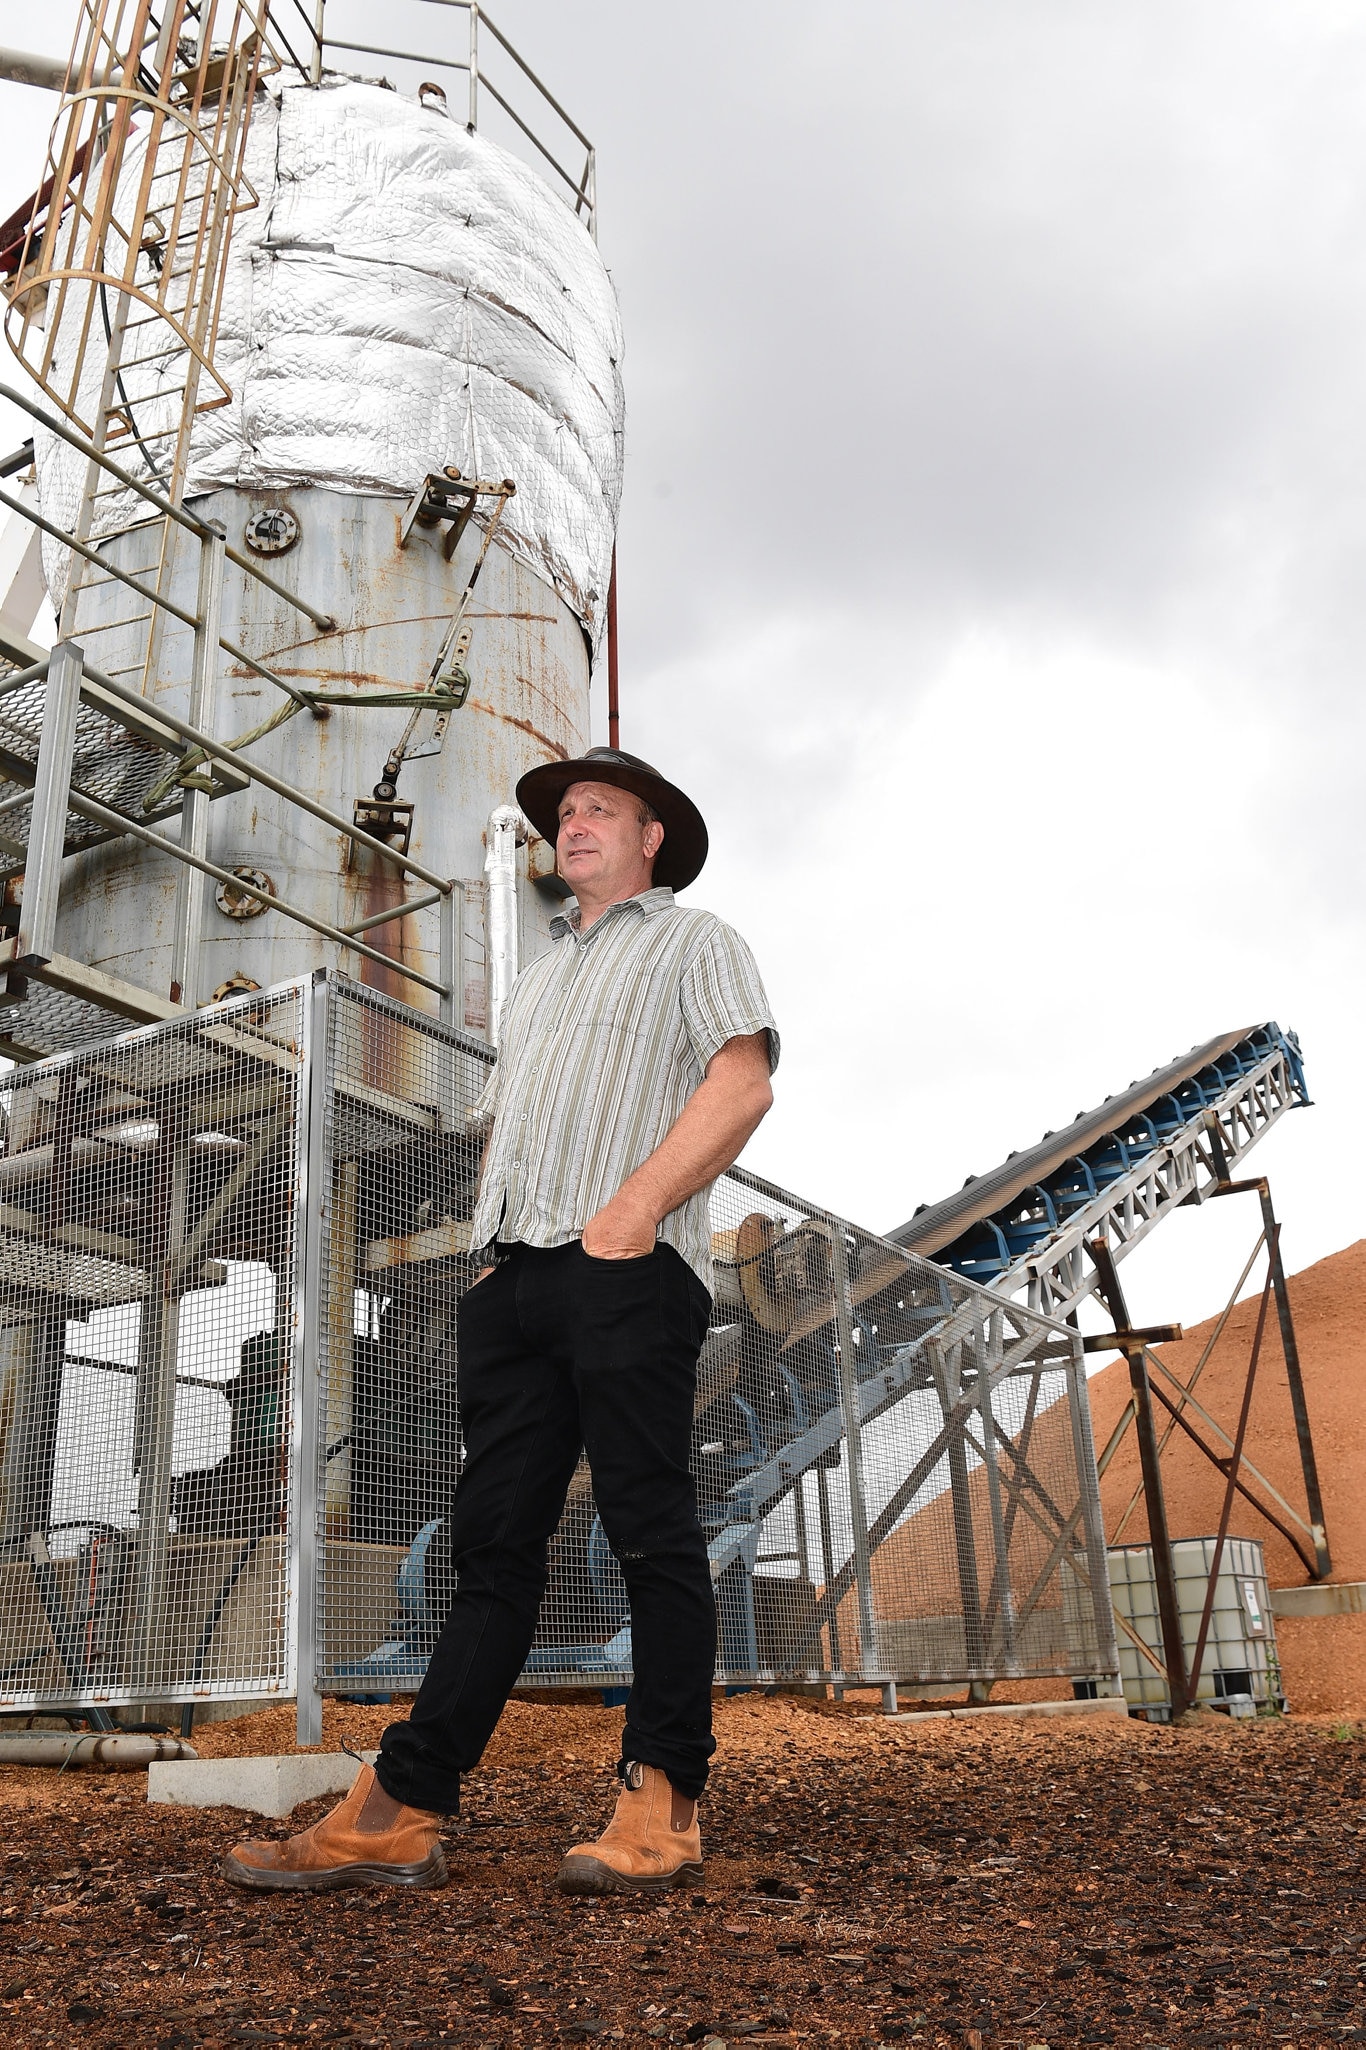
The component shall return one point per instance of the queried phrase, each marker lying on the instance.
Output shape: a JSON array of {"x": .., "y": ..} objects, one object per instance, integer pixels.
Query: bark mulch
[{"x": 968, "y": 1884}]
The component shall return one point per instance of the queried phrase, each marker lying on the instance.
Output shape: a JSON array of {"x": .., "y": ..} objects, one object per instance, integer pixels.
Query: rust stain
[
  {"x": 316, "y": 641},
  {"x": 382, "y": 889},
  {"x": 552, "y": 747}
]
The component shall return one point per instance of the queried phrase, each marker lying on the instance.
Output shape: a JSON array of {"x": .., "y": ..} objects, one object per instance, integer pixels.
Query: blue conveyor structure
[{"x": 1115, "y": 1170}]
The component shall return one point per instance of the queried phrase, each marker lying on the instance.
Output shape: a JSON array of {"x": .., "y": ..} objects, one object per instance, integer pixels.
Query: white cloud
[{"x": 991, "y": 552}]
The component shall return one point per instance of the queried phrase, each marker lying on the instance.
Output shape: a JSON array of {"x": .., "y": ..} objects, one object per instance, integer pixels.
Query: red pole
[{"x": 613, "y": 703}]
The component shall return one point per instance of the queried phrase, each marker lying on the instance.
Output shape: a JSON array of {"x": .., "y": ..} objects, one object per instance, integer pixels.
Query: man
[{"x": 634, "y": 1066}]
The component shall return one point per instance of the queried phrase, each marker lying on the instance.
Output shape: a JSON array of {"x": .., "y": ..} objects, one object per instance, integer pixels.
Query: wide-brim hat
[{"x": 679, "y": 861}]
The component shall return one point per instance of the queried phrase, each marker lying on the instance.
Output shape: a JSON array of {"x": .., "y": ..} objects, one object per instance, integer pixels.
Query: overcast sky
[{"x": 991, "y": 556}]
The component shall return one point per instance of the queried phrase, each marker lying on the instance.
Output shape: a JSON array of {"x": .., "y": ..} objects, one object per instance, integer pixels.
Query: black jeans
[{"x": 560, "y": 1351}]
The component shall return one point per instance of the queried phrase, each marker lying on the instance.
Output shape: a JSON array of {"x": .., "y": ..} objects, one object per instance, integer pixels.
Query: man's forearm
[{"x": 705, "y": 1139}]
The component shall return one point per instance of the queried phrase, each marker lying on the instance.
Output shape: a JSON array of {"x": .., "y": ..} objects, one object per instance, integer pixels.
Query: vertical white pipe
[{"x": 505, "y": 829}]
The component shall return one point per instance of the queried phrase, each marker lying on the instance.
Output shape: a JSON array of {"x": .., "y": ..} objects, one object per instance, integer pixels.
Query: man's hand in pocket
[{"x": 622, "y": 1230}]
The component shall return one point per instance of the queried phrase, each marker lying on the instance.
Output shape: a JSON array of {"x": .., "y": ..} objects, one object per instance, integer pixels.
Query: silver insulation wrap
[{"x": 405, "y": 296}]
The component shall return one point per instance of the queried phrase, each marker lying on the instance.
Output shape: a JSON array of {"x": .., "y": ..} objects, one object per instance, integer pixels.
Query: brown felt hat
[{"x": 679, "y": 861}]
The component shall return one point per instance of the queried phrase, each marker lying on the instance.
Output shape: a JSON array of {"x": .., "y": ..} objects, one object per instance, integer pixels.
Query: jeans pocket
[
  {"x": 616, "y": 1310},
  {"x": 629, "y": 1259},
  {"x": 476, "y": 1295}
]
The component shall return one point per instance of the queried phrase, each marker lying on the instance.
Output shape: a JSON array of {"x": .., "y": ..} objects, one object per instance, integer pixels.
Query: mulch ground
[{"x": 968, "y": 1884}]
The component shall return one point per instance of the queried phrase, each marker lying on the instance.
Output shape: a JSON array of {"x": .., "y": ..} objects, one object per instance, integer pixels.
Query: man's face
[{"x": 602, "y": 847}]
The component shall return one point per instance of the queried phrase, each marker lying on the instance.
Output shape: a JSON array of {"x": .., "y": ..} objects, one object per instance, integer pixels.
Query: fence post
[
  {"x": 154, "y": 1411},
  {"x": 948, "y": 1380},
  {"x": 47, "y": 818},
  {"x": 450, "y": 974},
  {"x": 1001, "y": 1599},
  {"x": 828, "y": 1568},
  {"x": 311, "y": 1220},
  {"x": 1092, "y": 1515},
  {"x": 869, "y": 1658},
  {"x": 194, "y": 815}
]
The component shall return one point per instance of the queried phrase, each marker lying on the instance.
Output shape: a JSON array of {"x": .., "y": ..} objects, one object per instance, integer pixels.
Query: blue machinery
[{"x": 776, "y": 1406}]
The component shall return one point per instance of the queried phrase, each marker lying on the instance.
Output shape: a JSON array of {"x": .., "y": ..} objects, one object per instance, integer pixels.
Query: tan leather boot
[
  {"x": 652, "y": 1842},
  {"x": 347, "y": 1848}
]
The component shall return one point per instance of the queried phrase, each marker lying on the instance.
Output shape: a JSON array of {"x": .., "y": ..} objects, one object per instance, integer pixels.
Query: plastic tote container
[{"x": 1240, "y": 1669}]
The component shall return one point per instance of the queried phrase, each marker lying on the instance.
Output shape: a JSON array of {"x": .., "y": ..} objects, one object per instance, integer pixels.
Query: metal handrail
[
  {"x": 117, "y": 822},
  {"x": 275, "y": 32},
  {"x": 405, "y": 56},
  {"x": 102, "y": 815},
  {"x": 224, "y": 753},
  {"x": 155, "y": 598},
  {"x": 324, "y": 621},
  {"x": 582, "y": 188},
  {"x": 491, "y": 25},
  {"x": 580, "y": 191}
]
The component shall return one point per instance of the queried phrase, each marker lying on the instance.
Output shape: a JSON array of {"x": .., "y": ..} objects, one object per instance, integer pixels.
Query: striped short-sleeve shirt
[{"x": 605, "y": 1038}]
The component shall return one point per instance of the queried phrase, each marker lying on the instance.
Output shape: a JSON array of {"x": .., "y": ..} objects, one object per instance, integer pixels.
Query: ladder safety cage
[{"x": 117, "y": 289}]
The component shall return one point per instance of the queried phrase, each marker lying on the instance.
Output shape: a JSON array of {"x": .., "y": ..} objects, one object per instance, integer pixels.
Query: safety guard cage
[
  {"x": 234, "y": 1248},
  {"x": 894, "y": 1467},
  {"x": 152, "y": 1227}
]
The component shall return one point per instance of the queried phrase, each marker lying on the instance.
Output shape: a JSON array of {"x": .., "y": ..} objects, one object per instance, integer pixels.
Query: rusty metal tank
[{"x": 405, "y": 299}]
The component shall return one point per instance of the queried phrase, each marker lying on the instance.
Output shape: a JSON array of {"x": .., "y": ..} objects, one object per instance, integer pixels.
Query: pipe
[
  {"x": 221, "y": 752},
  {"x": 23, "y": 67},
  {"x": 613, "y": 678},
  {"x": 507, "y": 829},
  {"x": 111, "y": 1754}
]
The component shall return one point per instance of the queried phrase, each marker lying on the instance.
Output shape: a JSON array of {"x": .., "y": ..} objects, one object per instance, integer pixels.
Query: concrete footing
[
  {"x": 1106, "y": 1704},
  {"x": 263, "y": 1786},
  {"x": 1320, "y": 1598}
]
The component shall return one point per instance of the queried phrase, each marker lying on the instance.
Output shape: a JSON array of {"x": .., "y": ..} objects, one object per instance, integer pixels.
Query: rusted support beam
[
  {"x": 1218, "y": 1461},
  {"x": 1159, "y": 1537},
  {"x": 1230, "y": 1490},
  {"x": 1143, "y": 1334},
  {"x": 1260, "y": 1187}
]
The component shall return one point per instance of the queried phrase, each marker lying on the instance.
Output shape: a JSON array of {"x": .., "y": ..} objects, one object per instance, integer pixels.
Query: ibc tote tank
[{"x": 406, "y": 297}]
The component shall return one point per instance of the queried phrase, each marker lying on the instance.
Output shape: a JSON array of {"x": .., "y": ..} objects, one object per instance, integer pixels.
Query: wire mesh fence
[
  {"x": 149, "y": 1240},
  {"x": 229, "y": 1424},
  {"x": 894, "y": 1468}
]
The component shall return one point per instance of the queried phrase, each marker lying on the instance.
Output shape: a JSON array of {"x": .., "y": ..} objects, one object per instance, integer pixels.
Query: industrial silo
[
  {"x": 381, "y": 422},
  {"x": 406, "y": 306}
]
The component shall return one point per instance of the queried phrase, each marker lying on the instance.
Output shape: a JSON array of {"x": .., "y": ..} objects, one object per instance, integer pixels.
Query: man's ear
[{"x": 653, "y": 839}]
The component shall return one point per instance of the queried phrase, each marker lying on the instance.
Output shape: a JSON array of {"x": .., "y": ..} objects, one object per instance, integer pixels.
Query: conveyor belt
[{"x": 996, "y": 1218}]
